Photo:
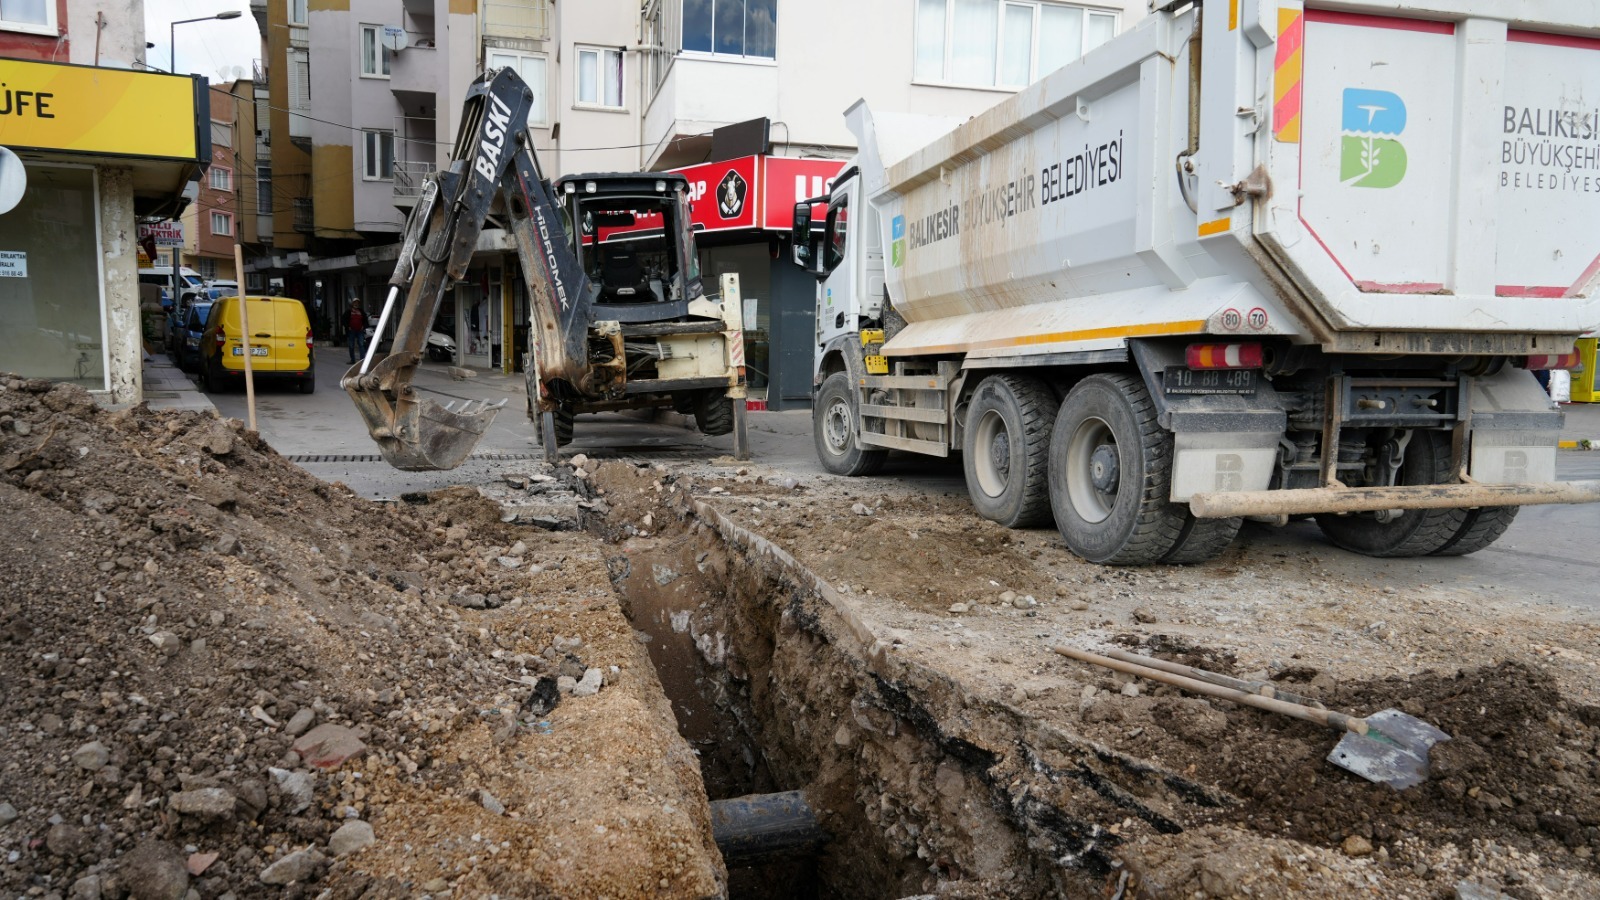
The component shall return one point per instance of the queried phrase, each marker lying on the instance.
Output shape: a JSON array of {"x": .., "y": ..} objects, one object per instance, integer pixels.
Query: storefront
[{"x": 97, "y": 149}]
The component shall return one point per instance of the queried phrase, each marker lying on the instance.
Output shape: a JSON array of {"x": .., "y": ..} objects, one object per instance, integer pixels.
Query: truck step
[
  {"x": 912, "y": 445},
  {"x": 904, "y": 382}
]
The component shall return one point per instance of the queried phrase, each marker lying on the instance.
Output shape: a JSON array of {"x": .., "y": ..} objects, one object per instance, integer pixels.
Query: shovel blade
[{"x": 1394, "y": 751}]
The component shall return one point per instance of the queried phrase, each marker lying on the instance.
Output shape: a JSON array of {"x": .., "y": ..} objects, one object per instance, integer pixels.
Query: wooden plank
[
  {"x": 930, "y": 448},
  {"x": 906, "y": 413}
]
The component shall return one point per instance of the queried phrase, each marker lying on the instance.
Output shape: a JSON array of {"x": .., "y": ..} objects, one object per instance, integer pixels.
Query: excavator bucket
[{"x": 416, "y": 434}]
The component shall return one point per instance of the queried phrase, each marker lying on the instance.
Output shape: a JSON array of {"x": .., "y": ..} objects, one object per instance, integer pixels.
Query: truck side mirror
[{"x": 806, "y": 243}]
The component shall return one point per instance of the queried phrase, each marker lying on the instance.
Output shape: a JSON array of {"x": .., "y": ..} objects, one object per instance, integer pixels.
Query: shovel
[{"x": 1387, "y": 747}]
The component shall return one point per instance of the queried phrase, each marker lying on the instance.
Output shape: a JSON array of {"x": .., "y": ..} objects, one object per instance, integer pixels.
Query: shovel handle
[
  {"x": 1327, "y": 718},
  {"x": 1263, "y": 688}
]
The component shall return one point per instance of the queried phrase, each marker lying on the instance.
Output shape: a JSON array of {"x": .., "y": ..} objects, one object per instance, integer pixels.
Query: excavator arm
[{"x": 493, "y": 159}]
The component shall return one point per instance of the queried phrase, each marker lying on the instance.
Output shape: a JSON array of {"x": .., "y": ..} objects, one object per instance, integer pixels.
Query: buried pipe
[{"x": 760, "y": 827}]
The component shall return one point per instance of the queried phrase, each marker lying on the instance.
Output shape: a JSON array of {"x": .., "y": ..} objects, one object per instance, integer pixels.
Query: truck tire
[
  {"x": 557, "y": 427},
  {"x": 1416, "y": 532},
  {"x": 1482, "y": 527},
  {"x": 713, "y": 412},
  {"x": 834, "y": 423},
  {"x": 1111, "y": 474},
  {"x": 1203, "y": 540},
  {"x": 1006, "y": 450}
]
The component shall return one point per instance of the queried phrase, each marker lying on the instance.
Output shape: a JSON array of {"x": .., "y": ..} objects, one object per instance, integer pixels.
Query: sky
[{"x": 212, "y": 49}]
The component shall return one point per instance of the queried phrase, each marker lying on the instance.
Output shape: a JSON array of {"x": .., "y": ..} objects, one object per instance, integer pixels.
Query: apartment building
[
  {"x": 102, "y": 145},
  {"x": 373, "y": 88},
  {"x": 224, "y": 209}
]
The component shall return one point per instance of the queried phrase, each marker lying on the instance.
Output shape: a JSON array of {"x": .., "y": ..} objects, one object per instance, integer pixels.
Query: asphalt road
[{"x": 1551, "y": 554}]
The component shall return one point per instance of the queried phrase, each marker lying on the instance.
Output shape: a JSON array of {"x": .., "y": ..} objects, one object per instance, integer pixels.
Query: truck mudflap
[{"x": 1304, "y": 501}]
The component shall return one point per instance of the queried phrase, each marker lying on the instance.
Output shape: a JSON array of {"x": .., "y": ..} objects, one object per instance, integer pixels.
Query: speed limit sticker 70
[{"x": 1257, "y": 318}]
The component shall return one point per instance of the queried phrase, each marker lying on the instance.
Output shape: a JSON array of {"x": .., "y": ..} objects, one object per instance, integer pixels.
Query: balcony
[
  {"x": 304, "y": 221},
  {"x": 408, "y": 180},
  {"x": 299, "y": 37},
  {"x": 516, "y": 26},
  {"x": 415, "y": 70}
]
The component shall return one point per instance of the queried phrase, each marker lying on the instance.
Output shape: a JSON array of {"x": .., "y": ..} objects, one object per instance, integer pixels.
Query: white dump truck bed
[{"x": 1379, "y": 178}]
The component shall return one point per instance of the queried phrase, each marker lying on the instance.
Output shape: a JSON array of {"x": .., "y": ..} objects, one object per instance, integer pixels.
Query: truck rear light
[
  {"x": 221, "y": 338},
  {"x": 308, "y": 339},
  {"x": 1553, "y": 361},
  {"x": 1223, "y": 356}
]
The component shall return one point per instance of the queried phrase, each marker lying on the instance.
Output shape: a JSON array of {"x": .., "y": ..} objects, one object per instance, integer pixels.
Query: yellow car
[{"x": 280, "y": 343}]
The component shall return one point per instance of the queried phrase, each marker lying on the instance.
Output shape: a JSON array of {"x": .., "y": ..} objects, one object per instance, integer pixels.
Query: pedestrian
[{"x": 356, "y": 332}]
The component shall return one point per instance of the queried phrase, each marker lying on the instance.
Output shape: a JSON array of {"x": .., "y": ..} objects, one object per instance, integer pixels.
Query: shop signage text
[{"x": 90, "y": 110}]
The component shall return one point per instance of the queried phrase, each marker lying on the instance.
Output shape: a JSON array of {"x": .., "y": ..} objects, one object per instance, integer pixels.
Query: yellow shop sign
[{"x": 113, "y": 112}]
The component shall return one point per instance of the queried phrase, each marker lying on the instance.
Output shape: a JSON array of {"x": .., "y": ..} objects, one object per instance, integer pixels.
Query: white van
[
  {"x": 222, "y": 288},
  {"x": 161, "y": 276}
]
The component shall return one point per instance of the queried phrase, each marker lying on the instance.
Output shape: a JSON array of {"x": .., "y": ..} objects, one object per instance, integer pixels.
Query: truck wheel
[
  {"x": 1415, "y": 532},
  {"x": 1482, "y": 527},
  {"x": 834, "y": 422},
  {"x": 713, "y": 412},
  {"x": 308, "y": 384},
  {"x": 1006, "y": 451},
  {"x": 1203, "y": 540},
  {"x": 1111, "y": 474}
]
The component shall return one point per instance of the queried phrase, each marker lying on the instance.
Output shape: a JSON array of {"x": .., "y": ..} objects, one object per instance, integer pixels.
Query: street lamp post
[
  {"x": 172, "y": 35},
  {"x": 172, "y": 66}
]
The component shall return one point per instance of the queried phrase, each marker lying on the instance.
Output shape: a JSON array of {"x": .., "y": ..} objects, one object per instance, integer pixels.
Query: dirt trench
[
  {"x": 922, "y": 785},
  {"x": 934, "y": 784}
]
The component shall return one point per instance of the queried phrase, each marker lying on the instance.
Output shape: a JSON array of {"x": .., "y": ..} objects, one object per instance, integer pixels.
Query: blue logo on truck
[{"x": 897, "y": 241}]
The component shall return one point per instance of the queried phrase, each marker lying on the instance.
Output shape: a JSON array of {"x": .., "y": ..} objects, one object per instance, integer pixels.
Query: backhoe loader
[{"x": 618, "y": 318}]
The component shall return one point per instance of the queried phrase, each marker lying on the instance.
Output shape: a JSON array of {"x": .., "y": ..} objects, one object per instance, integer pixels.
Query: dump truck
[
  {"x": 619, "y": 319},
  {"x": 1247, "y": 259}
]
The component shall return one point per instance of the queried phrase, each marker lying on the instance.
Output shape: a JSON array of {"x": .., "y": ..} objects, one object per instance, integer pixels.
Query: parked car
[
  {"x": 280, "y": 343},
  {"x": 187, "y": 356},
  {"x": 216, "y": 290}
]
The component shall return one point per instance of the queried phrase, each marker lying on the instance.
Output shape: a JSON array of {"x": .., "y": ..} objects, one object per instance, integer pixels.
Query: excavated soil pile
[{"x": 220, "y": 675}]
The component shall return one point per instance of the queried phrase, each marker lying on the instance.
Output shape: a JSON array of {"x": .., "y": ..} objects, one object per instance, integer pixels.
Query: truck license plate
[
  {"x": 254, "y": 351},
  {"x": 1182, "y": 380}
]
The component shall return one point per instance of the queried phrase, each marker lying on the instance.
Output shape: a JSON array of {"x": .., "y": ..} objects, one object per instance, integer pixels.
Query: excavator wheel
[
  {"x": 555, "y": 431},
  {"x": 713, "y": 412}
]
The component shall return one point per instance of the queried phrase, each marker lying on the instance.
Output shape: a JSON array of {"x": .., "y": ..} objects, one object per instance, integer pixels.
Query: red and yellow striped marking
[{"x": 1286, "y": 77}]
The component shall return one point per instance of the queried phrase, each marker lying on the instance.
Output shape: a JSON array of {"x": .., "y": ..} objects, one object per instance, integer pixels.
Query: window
[
  {"x": 207, "y": 268},
  {"x": 37, "y": 16},
  {"x": 378, "y": 155},
  {"x": 532, "y": 69},
  {"x": 747, "y": 28},
  {"x": 1003, "y": 43},
  {"x": 221, "y": 224},
  {"x": 263, "y": 190},
  {"x": 374, "y": 56},
  {"x": 55, "y": 325},
  {"x": 221, "y": 179},
  {"x": 600, "y": 77},
  {"x": 221, "y": 134},
  {"x": 297, "y": 12}
]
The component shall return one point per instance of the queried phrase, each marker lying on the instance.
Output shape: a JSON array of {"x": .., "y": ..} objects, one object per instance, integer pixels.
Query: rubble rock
[
  {"x": 153, "y": 870},
  {"x": 209, "y": 804},
  {"x": 91, "y": 756},
  {"x": 589, "y": 685},
  {"x": 87, "y": 888},
  {"x": 300, "y": 721},
  {"x": 1356, "y": 845},
  {"x": 351, "y": 836},
  {"x": 489, "y": 802},
  {"x": 167, "y": 642},
  {"x": 8, "y": 814},
  {"x": 327, "y": 746},
  {"x": 298, "y": 789},
  {"x": 297, "y": 866}
]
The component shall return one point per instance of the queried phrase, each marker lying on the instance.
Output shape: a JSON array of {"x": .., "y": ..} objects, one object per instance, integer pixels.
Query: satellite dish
[
  {"x": 395, "y": 39},
  {"x": 13, "y": 180}
]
